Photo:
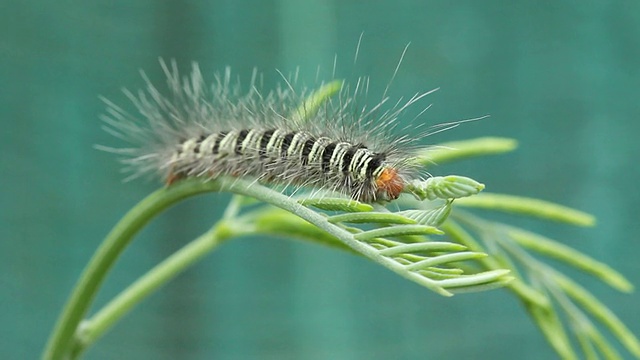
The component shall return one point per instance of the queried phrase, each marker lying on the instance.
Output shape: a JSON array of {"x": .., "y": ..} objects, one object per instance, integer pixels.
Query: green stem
[
  {"x": 162, "y": 273},
  {"x": 105, "y": 256},
  {"x": 88, "y": 284}
]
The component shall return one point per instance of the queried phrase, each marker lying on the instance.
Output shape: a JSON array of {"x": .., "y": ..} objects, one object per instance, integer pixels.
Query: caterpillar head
[{"x": 389, "y": 185}]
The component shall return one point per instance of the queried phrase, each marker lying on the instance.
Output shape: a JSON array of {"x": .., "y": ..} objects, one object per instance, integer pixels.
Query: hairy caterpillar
[{"x": 209, "y": 131}]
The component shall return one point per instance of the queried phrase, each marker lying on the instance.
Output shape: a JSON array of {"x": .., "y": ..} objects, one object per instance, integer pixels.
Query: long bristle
[{"x": 192, "y": 129}]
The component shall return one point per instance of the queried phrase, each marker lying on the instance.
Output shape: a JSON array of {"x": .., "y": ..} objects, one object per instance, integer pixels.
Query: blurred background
[{"x": 561, "y": 78}]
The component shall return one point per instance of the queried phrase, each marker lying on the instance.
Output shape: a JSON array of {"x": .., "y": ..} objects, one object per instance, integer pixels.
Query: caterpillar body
[
  {"x": 210, "y": 131},
  {"x": 275, "y": 155}
]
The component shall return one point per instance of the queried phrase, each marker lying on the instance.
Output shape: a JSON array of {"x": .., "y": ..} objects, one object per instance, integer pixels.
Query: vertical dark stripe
[
  {"x": 296, "y": 144},
  {"x": 251, "y": 144},
  {"x": 216, "y": 145},
  {"x": 262, "y": 150},
  {"x": 241, "y": 136},
  {"x": 358, "y": 163},
  {"x": 346, "y": 159},
  {"x": 306, "y": 150},
  {"x": 376, "y": 162},
  {"x": 196, "y": 149},
  {"x": 326, "y": 156},
  {"x": 286, "y": 142}
]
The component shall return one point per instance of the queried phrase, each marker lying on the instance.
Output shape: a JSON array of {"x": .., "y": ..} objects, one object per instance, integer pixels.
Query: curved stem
[
  {"x": 104, "y": 319},
  {"x": 105, "y": 256},
  {"x": 85, "y": 290}
]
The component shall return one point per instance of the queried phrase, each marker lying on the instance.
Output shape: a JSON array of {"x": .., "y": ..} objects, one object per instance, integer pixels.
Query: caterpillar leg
[{"x": 173, "y": 177}]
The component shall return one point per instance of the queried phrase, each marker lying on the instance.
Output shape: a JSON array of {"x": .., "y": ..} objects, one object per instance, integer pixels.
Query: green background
[{"x": 562, "y": 77}]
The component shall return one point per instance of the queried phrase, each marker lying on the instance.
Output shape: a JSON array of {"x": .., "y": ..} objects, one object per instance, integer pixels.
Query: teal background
[{"x": 560, "y": 76}]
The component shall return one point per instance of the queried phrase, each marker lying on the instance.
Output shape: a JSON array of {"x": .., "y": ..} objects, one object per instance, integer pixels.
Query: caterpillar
[{"x": 218, "y": 130}]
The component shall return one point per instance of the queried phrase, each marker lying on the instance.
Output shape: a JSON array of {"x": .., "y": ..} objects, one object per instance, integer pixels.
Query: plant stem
[
  {"x": 105, "y": 256},
  {"x": 162, "y": 273}
]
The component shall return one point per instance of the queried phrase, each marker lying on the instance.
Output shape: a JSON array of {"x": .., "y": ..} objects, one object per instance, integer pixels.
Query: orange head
[{"x": 390, "y": 184}]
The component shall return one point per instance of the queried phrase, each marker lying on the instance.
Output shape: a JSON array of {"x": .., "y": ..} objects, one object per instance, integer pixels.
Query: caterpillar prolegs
[{"x": 218, "y": 130}]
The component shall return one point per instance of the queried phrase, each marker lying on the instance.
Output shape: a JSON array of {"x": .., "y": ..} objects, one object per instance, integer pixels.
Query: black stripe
[
  {"x": 306, "y": 150},
  {"x": 196, "y": 149},
  {"x": 286, "y": 142},
  {"x": 346, "y": 159},
  {"x": 376, "y": 162},
  {"x": 327, "y": 155},
  {"x": 264, "y": 142},
  {"x": 216, "y": 145},
  {"x": 241, "y": 136}
]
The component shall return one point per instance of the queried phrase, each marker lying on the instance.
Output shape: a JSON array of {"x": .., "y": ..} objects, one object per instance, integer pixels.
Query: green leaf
[
  {"x": 443, "y": 187},
  {"x": 486, "y": 277},
  {"x": 501, "y": 282},
  {"x": 313, "y": 102},
  {"x": 458, "y": 150},
  {"x": 549, "y": 323},
  {"x": 354, "y": 238},
  {"x": 398, "y": 230},
  {"x": 444, "y": 259},
  {"x": 336, "y": 204},
  {"x": 525, "y": 292},
  {"x": 585, "y": 343},
  {"x": 551, "y": 248},
  {"x": 428, "y": 246},
  {"x": 584, "y": 330},
  {"x": 528, "y": 206},
  {"x": 277, "y": 222},
  {"x": 372, "y": 217},
  {"x": 598, "y": 311},
  {"x": 609, "y": 352},
  {"x": 431, "y": 217}
]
